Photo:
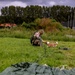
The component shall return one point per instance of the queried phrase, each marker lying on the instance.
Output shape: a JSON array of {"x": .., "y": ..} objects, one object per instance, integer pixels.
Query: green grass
[{"x": 16, "y": 50}]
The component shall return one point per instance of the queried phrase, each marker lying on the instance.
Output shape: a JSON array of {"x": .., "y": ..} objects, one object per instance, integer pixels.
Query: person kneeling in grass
[{"x": 36, "y": 39}]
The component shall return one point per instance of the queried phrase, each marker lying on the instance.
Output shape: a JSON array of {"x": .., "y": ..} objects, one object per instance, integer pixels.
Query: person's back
[{"x": 36, "y": 38}]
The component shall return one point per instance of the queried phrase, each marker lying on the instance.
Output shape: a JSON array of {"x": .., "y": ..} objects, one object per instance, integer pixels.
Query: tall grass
[
  {"x": 60, "y": 35},
  {"x": 20, "y": 32}
]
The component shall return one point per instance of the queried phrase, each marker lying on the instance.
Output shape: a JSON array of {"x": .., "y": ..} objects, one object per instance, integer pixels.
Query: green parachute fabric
[{"x": 26, "y": 68}]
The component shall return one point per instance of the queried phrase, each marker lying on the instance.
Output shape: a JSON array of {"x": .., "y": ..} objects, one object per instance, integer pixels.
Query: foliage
[
  {"x": 28, "y": 14},
  {"x": 18, "y": 32},
  {"x": 22, "y": 32},
  {"x": 57, "y": 25},
  {"x": 45, "y": 22},
  {"x": 31, "y": 25},
  {"x": 25, "y": 25},
  {"x": 37, "y": 21},
  {"x": 49, "y": 24}
]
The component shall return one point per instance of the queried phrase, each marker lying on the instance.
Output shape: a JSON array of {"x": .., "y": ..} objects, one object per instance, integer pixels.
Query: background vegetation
[
  {"x": 18, "y": 15},
  {"x": 53, "y": 30}
]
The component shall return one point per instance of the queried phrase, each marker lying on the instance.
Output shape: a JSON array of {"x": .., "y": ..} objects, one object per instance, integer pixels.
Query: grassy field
[{"x": 16, "y": 50}]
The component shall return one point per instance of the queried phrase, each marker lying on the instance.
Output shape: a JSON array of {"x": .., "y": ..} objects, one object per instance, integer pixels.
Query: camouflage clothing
[
  {"x": 36, "y": 38},
  {"x": 36, "y": 41}
]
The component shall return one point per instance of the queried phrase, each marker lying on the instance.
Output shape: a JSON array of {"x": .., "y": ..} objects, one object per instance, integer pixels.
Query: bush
[
  {"x": 53, "y": 20},
  {"x": 49, "y": 24},
  {"x": 31, "y": 25},
  {"x": 59, "y": 26},
  {"x": 26, "y": 25}
]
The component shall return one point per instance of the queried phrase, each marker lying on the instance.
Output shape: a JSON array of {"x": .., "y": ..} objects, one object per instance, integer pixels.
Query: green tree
[{"x": 4, "y": 11}]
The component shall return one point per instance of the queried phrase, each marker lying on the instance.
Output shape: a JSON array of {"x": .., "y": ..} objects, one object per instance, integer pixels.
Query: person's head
[{"x": 41, "y": 31}]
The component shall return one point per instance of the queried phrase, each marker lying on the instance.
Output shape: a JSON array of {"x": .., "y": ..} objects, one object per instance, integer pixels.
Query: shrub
[
  {"x": 49, "y": 24},
  {"x": 31, "y": 25},
  {"x": 58, "y": 26},
  {"x": 53, "y": 20},
  {"x": 37, "y": 21},
  {"x": 24, "y": 24}
]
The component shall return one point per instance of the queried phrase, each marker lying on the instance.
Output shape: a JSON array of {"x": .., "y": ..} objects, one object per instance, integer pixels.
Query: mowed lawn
[{"x": 15, "y": 50}]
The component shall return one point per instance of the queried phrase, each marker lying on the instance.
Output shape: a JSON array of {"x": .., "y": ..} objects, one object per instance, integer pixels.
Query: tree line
[{"x": 28, "y": 14}]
